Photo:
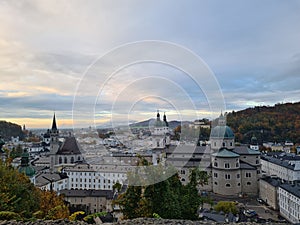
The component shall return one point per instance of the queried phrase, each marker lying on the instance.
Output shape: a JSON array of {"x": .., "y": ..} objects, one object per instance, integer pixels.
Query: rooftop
[{"x": 224, "y": 153}]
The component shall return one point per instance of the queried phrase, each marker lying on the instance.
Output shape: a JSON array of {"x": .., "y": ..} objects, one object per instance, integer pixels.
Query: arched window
[
  {"x": 72, "y": 159},
  {"x": 216, "y": 183},
  {"x": 78, "y": 158},
  {"x": 216, "y": 164},
  {"x": 248, "y": 183},
  {"x": 66, "y": 160},
  {"x": 224, "y": 144},
  {"x": 60, "y": 160},
  {"x": 227, "y": 185}
]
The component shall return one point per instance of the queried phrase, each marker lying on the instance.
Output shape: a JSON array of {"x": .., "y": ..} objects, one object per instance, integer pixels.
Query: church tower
[
  {"x": 160, "y": 137},
  {"x": 54, "y": 142}
]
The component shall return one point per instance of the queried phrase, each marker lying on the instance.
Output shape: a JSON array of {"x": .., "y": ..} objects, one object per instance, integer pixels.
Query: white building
[
  {"x": 52, "y": 181},
  {"x": 284, "y": 166},
  {"x": 289, "y": 202}
]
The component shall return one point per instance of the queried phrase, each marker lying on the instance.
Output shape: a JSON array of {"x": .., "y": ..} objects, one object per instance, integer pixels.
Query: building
[
  {"x": 52, "y": 181},
  {"x": 27, "y": 169},
  {"x": 91, "y": 201},
  {"x": 160, "y": 133},
  {"x": 289, "y": 202},
  {"x": 268, "y": 191},
  {"x": 234, "y": 170},
  {"x": 63, "y": 154},
  {"x": 284, "y": 166}
]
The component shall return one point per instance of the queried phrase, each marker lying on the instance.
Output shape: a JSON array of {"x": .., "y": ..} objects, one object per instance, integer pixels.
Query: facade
[
  {"x": 91, "y": 201},
  {"x": 268, "y": 191},
  {"x": 282, "y": 165},
  {"x": 160, "y": 133},
  {"x": 289, "y": 202},
  {"x": 95, "y": 177}
]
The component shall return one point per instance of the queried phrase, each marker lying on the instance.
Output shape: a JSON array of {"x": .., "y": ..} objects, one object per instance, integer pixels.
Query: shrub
[{"x": 7, "y": 215}]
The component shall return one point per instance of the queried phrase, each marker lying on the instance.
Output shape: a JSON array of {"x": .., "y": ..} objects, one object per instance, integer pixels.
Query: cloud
[{"x": 46, "y": 47}]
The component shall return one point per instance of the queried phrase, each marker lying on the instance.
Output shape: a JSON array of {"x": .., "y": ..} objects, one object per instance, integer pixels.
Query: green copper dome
[
  {"x": 221, "y": 132},
  {"x": 25, "y": 167},
  {"x": 28, "y": 171}
]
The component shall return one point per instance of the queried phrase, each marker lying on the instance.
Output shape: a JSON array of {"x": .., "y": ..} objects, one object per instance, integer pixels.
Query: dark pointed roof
[
  {"x": 69, "y": 147},
  {"x": 54, "y": 127}
]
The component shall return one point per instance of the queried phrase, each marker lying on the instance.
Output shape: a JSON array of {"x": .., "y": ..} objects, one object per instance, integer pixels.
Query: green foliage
[
  {"x": 8, "y": 215},
  {"x": 156, "y": 216},
  {"x": 76, "y": 215},
  {"x": 90, "y": 218},
  {"x": 226, "y": 207},
  {"x": 277, "y": 124},
  {"x": 169, "y": 198},
  {"x": 18, "y": 194}
]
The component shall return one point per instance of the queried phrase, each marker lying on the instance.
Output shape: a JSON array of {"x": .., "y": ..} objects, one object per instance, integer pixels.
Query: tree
[
  {"x": 18, "y": 194},
  {"x": 167, "y": 197},
  {"x": 226, "y": 207},
  {"x": 52, "y": 206}
]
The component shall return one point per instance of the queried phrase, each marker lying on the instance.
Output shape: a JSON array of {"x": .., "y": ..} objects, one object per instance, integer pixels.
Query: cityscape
[{"x": 149, "y": 112}]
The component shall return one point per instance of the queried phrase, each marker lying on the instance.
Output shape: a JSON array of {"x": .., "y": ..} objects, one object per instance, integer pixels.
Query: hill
[
  {"x": 150, "y": 122},
  {"x": 276, "y": 123},
  {"x": 7, "y": 130}
]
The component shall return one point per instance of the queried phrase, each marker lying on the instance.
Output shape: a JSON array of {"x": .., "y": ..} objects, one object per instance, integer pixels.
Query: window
[
  {"x": 72, "y": 159},
  {"x": 257, "y": 161},
  {"x": 227, "y": 165},
  {"x": 216, "y": 164},
  {"x": 238, "y": 176},
  {"x": 239, "y": 184},
  {"x": 248, "y": 174},
  {"x": 216, "y": 175},
  {"x": 224, "y": 144},
  {"x": 60, "y": 160},
  {"x": 237, "y": 164},
  {"x": 182, "y": 171},
  {"x": 230, "y": 143},
  {"x": 227, "y": 176},
  {"x": 216, "y": 183},
  {"x": 66, "y": 160},
  {"x": 227, "y": 185},
  {"x": 258, "y": 171},
  {"x": 248, "y": 183}
]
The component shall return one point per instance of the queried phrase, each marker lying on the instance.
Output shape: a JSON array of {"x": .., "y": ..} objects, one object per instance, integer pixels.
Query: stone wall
[{"x": 139, "y": 221}]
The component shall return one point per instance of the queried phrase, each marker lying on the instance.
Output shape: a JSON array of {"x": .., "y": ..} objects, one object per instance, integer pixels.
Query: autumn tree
[{"x": 163, "y": 194}]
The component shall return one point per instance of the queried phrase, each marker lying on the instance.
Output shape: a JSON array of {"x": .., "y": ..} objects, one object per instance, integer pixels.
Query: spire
[
  {"x": 165, "y": 119},
  {"x": 54, "y": 127},
  {"x": 158, "y": 115}
]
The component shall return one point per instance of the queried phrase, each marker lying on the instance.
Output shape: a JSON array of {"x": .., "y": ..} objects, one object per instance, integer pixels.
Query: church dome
[
  {"x": 221, "y": 132},
  {"x": 25, "y": 167},
  {"x": 27, "y": 170}
]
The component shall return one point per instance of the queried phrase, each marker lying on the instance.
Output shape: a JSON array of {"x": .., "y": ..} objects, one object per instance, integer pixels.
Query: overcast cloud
[{"x": 46, "y": 47}]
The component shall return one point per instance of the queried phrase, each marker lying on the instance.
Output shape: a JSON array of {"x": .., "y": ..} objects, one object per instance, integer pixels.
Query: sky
[{"x": 100, "y": 63}]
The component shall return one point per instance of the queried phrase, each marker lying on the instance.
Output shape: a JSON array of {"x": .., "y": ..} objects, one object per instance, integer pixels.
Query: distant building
[
  {"x": 27, "y": 169},
  {"x": 268, "y": 191},
  {"x": 234, "y": 170},
  {"x": 284, "y": 166},
  {"x": 160, "y": 133},
  {"x": 63, "y": 154},
  {"x": 91, "y": 201},
  {"x": 289, "y": 202}
]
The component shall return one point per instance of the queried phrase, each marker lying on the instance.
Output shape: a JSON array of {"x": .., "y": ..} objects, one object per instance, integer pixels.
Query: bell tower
[{"x": 54, "y": 142}]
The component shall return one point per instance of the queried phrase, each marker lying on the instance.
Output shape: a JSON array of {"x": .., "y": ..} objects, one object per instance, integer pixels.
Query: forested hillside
[
  {"x": 7, "y": 130},
  {"x": 268, "y": 123}
]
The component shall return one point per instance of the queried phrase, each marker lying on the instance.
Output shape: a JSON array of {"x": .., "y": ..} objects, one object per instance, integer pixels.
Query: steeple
[
  {"x": 165, "y": 120},
  {"x": 158, "y": 116},
  {"x": 54, "y": 127}
]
